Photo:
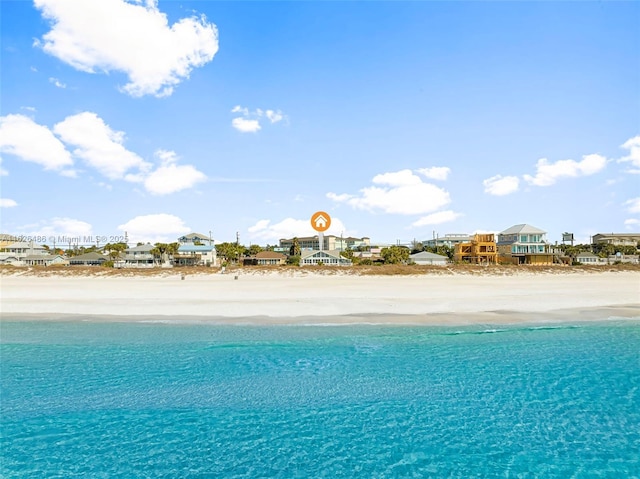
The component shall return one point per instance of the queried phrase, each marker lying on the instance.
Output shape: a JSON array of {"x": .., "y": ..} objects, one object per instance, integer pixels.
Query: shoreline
[
  {"x": 630, "y": 312},
  {"x": 312, "y": 299}
]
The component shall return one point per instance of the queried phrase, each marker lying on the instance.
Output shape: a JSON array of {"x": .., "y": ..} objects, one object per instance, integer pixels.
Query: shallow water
[{"x": 88, "y": 399}]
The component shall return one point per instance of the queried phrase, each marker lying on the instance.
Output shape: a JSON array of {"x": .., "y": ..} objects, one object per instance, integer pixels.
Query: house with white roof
[
  {"x": 431, "y": 259},
  {"x": 524, "y": 244},
  {"x": 326, "y": 258}
]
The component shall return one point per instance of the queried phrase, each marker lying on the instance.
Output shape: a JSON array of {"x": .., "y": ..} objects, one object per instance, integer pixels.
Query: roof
[
  {"x": 24, "y": 245},
  {"x": 522, "y": 229},
  {"x": 143, "y": 248},
  {"x": 427, "y": 255},
  {"x": 586, "y": 254},
  {"x": 269, "y": 255},
  {"x": 93, "y": 256},
  {"x": 45, "y": 257},
  {"x": 195, "y": 236},
  {"x": 330, "y": 253},
  {"x": 203, "y": 248}
]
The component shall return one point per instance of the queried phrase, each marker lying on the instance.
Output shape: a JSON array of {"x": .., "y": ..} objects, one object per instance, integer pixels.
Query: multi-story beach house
[
  {"x": 329, "y": 243},
  {"x": 617, "y": 239},
  {"x": 15, "y": 253},
  {"x": 524, "y": 244},
  {"x": 481, "y": 249},
  {"x": 196, "y": 255},
  {"x": 137, "y": 257}
]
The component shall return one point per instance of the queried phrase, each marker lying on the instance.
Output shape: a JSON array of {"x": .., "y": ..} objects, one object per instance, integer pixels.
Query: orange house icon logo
[{"x": 320, "y": 221}]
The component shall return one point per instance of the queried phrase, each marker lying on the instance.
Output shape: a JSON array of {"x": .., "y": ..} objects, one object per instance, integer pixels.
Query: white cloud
[
  {"x": 116, "y": 35},
  {"x": 633, "y": 205},
  {"x": 240, "y": 109},
  {"x": 633, "y": 145},
  {"x": 169, "y": 177},
  {"x": 22, "y": 137},
  {"x": 7, "y": 203},
  {"x": 501, "y": 185},
  {"x": 548, "y": 173},
  {"x": 401, "y": 192},
  {"x": 57, "y": 82},
  {"x": 156, "y": 228},
  {"x": 631, "y": 223},
  {"x": 98, "y": 145},
  {"x": 59, "y": 227},
  {"x": 264, "y": 231},
  {"x": 249, "y": 122},
  {"x": 435, "y": 172},
  {"x": 437, "y": 218},
  {"x": 274, "y": 116},
  {"x": 246, "y": 126}
]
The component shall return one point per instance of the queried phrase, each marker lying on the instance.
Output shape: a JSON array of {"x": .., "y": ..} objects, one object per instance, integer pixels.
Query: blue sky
[{"x": 399, "y": 119}]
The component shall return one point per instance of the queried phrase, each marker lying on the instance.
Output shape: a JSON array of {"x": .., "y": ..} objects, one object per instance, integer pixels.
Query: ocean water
[{"x": 116, "y": 400}]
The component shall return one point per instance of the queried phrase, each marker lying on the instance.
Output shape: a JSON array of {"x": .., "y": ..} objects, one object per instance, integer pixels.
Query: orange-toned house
[{"x": 481, "y": 249}]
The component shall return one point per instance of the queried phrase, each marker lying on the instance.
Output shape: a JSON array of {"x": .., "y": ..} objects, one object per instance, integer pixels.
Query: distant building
[
  {"x": 329, "y": 243},
  {"x": 450, "y": 240},
  {"x": 524, "y": 244},
  {"x": 617, "y": 239},
  {"x": 327, "y": 258},
  {"x": 426, "y": 258},
  {"x": 481, "y": 249}
]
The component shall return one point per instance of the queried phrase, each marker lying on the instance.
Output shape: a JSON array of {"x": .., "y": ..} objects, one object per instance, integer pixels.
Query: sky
[{"x": 401, "y": 120}]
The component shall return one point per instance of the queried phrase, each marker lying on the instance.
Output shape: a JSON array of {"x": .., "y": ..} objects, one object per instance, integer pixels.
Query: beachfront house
[
  {"x": 617, "y": 239},
  {"x": 88, "y": 259},
  {"x": 15, "y": 253},
  {"x": 140, "y": 256},
  {"x": 481, "y": 249},
  {"x": 524, "y": 244},
  {"x": 430, "y": 259},
  {"x": 587, "y": 257},
  {"x": 327, "y": 258},
  {"x": 195, "y": 255},
  {"x": 46, "y": 260},
  {"x": 266, "y": 258}
]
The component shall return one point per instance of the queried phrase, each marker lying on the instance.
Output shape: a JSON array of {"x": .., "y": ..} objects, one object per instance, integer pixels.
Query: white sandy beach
[{"x": 321, "y": 298}]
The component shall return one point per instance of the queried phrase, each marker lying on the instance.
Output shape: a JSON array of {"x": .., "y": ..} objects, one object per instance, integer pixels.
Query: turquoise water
[{"x": 85, "y": 399}]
